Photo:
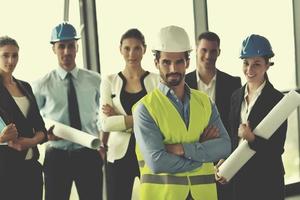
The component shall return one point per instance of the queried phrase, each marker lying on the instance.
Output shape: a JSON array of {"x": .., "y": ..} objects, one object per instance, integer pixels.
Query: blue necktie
[{"x": 73, "y": 104}]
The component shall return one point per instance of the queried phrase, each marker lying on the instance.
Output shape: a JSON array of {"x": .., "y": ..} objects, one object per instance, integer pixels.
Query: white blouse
[
  {"x": 245, "y": 107},
  {"x": 23, "y": 103}
]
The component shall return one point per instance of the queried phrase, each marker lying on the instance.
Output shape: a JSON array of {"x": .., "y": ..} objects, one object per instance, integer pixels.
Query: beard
[{"x": 171, "y": 81}]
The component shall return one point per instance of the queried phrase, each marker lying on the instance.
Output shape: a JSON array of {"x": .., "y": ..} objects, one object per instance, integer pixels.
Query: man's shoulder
[
  {"x": 191, "y": 79},
  {"x": 199, "y": 94},
  {"x": 46, "y": 78},
  {"x": 238, "y": 92},
  {"x": 227, "y": 76},
  {"x": 89, "y": 73},
  {"x": 140, "y": 107},
  {"x": 151, "y": 97},
  {"x": 151, "y": 94},
  {"x": 191, "y": 74}
]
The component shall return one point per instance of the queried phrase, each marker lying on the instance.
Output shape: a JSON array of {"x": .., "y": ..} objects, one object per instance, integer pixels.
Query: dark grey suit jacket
[
  {"x": 225, "y": 86},
  {"x": 262, "y": 177}
]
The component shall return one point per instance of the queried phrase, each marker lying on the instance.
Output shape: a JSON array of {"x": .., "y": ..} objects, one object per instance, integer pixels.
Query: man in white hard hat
[
  {"x": 178, "y": 130},
  {"x": 70, "y": 95}
]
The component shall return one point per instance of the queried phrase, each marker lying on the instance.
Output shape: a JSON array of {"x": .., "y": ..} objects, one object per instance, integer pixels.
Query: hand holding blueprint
[
  {"x": 72, "y": 134},
  {"x": 264, "y": 129}
]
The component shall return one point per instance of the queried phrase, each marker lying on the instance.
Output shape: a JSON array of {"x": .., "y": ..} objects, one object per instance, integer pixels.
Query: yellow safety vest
[{"x": 199, "y": 182}]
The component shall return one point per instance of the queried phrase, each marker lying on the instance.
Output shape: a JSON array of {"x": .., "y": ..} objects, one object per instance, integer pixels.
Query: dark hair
[
  {"x": 5, "y": 40},
  {"x": 211, "y": 36},
  {"x": 157, "y": 55},
  {"x": 133, "y": 33},
  {"x": 267, "y": 60}
]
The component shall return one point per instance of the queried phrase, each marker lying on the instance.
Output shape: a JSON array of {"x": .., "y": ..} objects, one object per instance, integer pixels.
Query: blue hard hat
[
  {"x": 63, "y": 31},
  {"x": 256, "y": 45}
]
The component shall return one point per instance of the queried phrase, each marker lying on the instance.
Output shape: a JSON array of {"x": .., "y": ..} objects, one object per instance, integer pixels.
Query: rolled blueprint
[
  {"x": 72, "y": 134},
  {"x": 264, "y": 129}
]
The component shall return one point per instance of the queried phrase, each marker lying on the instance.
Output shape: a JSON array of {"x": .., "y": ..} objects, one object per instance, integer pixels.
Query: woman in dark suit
[
  {"x": 262, "y": 177},
  {"x": 22, "y": 130}
]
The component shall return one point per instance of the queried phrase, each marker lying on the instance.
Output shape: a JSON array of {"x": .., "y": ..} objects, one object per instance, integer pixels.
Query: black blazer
[
  {"x": 225, "y": 86},
  {"x": 26, "y": 127},
  {"x": 262, "y": 177}
]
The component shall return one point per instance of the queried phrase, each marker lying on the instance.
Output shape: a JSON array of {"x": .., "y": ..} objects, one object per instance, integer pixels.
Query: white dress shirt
[{"x": 209, "y": 89}]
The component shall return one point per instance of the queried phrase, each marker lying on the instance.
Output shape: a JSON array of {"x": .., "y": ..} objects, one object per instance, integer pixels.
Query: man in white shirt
[
  {"x": 218, "y": 85},
  {"x": 70, "y": 95}
]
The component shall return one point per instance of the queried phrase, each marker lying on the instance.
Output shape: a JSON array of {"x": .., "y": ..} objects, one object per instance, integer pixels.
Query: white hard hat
[{"x": 172, "y": 39}]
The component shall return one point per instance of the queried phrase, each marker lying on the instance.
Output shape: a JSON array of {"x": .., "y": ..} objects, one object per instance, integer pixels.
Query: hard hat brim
[
  {"x": 64, "y": 39},
  {"x": 256, "y": 55},
  {"x": 171, "y": 51}
]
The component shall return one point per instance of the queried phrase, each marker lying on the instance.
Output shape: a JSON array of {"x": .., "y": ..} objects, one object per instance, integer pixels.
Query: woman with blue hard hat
[{"x": 262, "y": 177}]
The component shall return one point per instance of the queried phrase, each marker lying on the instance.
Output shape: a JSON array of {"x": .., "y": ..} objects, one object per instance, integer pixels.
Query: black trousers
[
  {"x": 61, "y": 168},
  {"x": 121, "y": 174},
  {"x": 225, "y": 191},
  {"x": 22, "y": 180}
]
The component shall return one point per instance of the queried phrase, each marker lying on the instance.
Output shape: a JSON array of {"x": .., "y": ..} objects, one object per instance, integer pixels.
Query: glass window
[
  {"x": 261, "y": 17},
  {"x": 148, "y": 17},
  {"x": 291, "y": 155},
  {"x": 74, "y": 18},
  {"x": 32, "y": 30}
]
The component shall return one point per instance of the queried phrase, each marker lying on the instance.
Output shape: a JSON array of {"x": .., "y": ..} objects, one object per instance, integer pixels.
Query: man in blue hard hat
[{"x": 70, "y": 95}]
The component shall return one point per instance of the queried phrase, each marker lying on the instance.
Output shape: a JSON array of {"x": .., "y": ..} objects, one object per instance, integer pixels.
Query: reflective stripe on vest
[{"x": 169, "y": 179}]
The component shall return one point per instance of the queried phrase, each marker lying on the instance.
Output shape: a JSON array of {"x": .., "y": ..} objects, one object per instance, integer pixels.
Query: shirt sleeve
[
  {"x": 109, "y": 123},
  {"x": 150, "y": 141},
  {"x": 97, "y": 100},
  {"x": 39, "y": 97},
  {"x": 210, "y": 150}
]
